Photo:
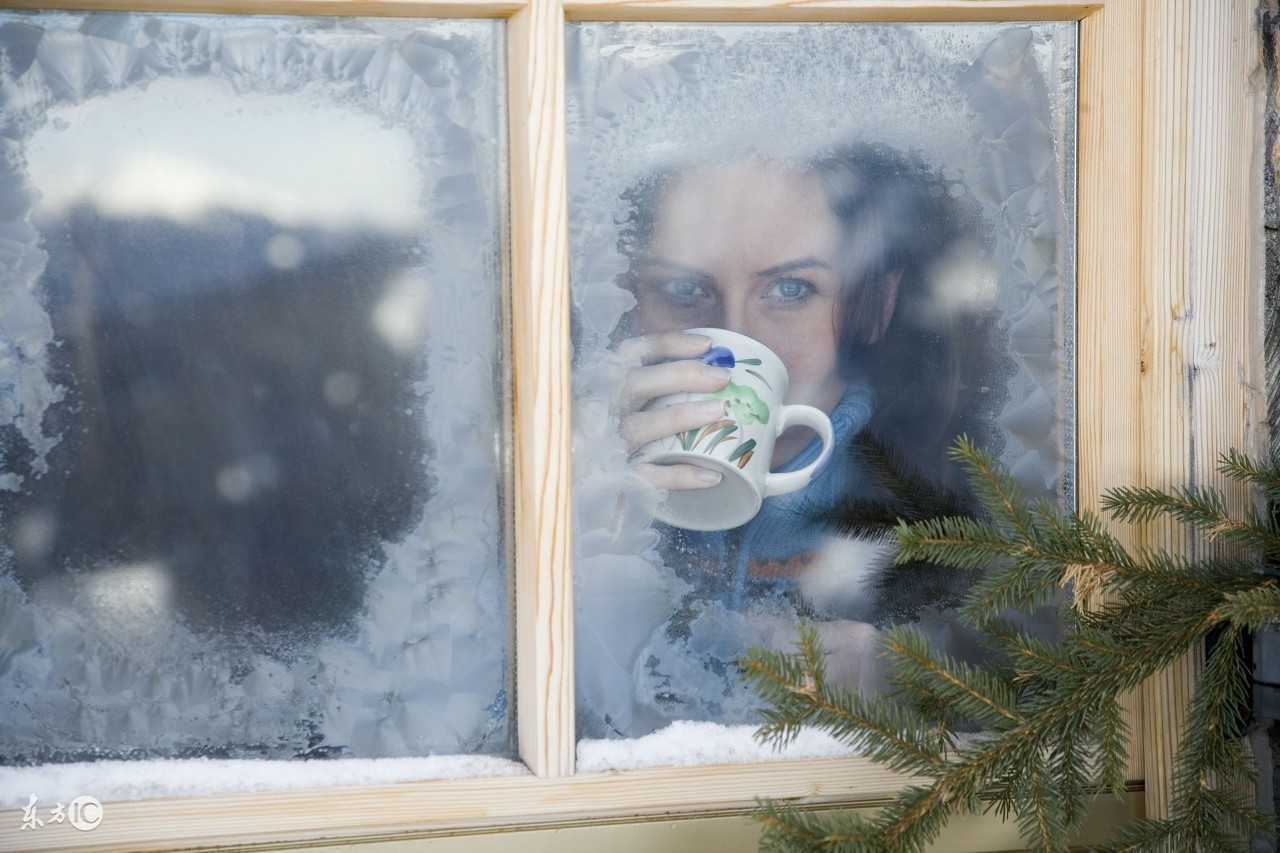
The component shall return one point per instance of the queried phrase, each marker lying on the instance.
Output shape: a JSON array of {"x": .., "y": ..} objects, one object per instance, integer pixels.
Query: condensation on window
[
  {"x": 252, "y": 391},
  {"x": 965, "y": 135}
]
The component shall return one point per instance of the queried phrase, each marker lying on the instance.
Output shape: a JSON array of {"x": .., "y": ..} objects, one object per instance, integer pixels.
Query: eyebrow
[
  {"x": 809, "y": 262},
  {"x": 675, "y": 266}
]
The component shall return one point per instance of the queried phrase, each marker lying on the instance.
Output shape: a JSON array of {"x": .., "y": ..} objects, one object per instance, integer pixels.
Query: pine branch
[
  {"x": 916, "y": 496},
  {"x": 1266, "y": 477},
  {"x": 1068, "y": 763},
  {"x": 995, "y": 487},
  {"x": 1113, "y": 739},
  {"x": 1053, "y": 731},
  {"x": 918, "y": 815},
  {"x": 1202, "y": 508},
  {"x": 1043, "y": 822},
  {"x": 1212, "y": 771},
  {"x": 969, "y": 689},
  {"x": 1033, "y": 659},
  {"x": 787, "y": 828},
  {"x": 1255, "y": 608},
  {"x": 795, "y": 688}
]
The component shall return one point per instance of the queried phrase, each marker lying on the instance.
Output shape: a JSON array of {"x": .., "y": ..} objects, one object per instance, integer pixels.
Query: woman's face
[{"x": 752, "y": 247}]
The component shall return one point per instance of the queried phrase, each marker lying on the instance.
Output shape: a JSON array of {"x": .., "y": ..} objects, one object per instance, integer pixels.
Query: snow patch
[
  {"x": 686, "y": 743},
  {"x": 200, "y": 777}
]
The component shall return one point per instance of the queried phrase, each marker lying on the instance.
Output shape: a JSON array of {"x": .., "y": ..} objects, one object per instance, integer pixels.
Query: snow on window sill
[
  {"x": 198, "y": 777},
  {"x": 684, "y": 744}
]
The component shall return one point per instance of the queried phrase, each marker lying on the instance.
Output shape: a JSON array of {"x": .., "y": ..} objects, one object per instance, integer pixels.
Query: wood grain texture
[
  {"x": 451, "y": 805},
  {"x": 369, "y": 8},
  {"x": 540, "y": 362},
  {"x": 828, "y": 10},
  {"x": 1108, "y": 309},
  {"x": 1200, "y": 234}
]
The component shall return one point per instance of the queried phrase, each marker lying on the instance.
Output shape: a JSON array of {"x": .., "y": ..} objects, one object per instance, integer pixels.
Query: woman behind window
[{"x": 836, "y": 263}]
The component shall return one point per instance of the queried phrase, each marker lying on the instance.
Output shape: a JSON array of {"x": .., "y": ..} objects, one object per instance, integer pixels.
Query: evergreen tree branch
[
  {"x": 969, "y": 689},
  {"x": 1265, "y": 476},
  {"x": 1033, "y": 657},
  {"x": 1212, "y": 771},
  {"x": 1053, "y": 729},
  {"x": 1255, "y": 608},
  {"x": 1042, "y": 823},
  {"x": 795, "y": 688},
  {"x": 1202, "y": 508},
  {"x": 788, "y": 828},
  {"x": 1113, "y": 746},
  {"x": 999, "y": 493}
]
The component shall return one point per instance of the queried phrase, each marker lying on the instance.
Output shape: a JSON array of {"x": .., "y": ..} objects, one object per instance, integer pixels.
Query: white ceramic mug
[{"x": 740, "y": 444}]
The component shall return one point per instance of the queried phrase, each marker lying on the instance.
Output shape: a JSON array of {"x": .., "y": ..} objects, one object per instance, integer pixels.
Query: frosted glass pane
[
  {"x": 252, "y": 392},
  {"x": 887, "y": 207}
]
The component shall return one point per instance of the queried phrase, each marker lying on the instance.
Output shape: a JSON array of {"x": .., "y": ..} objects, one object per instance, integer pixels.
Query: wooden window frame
[{"x": 1168, "y": 359}]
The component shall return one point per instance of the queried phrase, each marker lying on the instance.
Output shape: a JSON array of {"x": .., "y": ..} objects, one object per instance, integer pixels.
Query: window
[
  {"x": 888, "y": 209},
  {"x": 254, "y": 407},
  {"x": 1162, "y": 336}
]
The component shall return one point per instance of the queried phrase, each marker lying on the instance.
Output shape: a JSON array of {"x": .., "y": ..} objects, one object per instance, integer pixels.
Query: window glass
[
  {"x": 888, "y": 210},
  {"x": 252, "y": 392}
]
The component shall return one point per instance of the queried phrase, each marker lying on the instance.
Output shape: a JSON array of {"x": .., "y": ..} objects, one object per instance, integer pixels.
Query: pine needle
[{"x": 1053, "y": 733}]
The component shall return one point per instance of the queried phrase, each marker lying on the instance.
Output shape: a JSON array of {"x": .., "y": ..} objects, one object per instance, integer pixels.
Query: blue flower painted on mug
[
  {"x": 718, "y": 357},
  {"x": 723, "y": 357}
]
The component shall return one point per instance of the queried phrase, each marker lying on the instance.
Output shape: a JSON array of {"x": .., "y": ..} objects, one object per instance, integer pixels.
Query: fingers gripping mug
[{"x": 739, "y": 445}]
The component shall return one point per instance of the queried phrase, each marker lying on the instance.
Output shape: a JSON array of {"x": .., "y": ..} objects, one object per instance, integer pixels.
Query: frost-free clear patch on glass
[
  {"x": 889, "y": 209},
  {"x": 252, "y": 390}
]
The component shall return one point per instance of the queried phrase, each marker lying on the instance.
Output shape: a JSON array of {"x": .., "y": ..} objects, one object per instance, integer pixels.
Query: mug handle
[{"x": 816, "y": 420}]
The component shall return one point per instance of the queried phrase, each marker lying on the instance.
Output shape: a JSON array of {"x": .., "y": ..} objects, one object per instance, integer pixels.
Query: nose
[{"x": 734, "y": 313}]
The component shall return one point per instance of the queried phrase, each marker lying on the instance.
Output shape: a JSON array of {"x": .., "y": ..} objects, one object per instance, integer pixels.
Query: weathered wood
[{"x": 1200, "y": 373}]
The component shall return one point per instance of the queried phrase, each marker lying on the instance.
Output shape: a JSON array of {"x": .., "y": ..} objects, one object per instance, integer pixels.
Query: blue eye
[
  {"x": 684, "y": 291},
  {"x": 792, "y": 289}
]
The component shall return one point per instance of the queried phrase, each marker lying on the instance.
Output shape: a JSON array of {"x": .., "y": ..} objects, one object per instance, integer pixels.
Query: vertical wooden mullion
[
  {"x": 1199, "y": 237},
  {"x": 540, "y": 352},
  {"x": 1109, "y": 358},
  {"x": 1166, "y": 409}
]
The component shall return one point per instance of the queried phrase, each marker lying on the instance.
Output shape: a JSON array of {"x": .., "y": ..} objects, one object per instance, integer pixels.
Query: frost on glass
[
  {"x": 251, "y": 388},
  {"x": 965, "y": 136}
]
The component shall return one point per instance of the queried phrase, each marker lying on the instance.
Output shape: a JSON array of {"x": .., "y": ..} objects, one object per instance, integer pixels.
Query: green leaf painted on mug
[
  {"x": 721, "y": 436},
  {"x": 743, "y": 403},
  {"x": 711, "y": 428},
  {"x": 761, "y": 378},
  {"x": 749, "y": 444}
]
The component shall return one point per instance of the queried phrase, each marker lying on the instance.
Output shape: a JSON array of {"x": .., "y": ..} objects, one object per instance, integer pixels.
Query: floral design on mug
[
  {"x": 723, "y": 429},
  {"x": 743, "y": 404},
  {"x": 744, "y": 453},
  {"x": 723, "y": 357},
  {"x": 720, "y": 357}
]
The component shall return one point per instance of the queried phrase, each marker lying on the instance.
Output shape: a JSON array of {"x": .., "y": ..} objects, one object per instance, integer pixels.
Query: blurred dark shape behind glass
[{"x": 233, "y": 418}]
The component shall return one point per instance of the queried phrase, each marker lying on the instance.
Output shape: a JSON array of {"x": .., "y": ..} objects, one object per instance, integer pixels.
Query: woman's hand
[{"x": 668, "y": 365}]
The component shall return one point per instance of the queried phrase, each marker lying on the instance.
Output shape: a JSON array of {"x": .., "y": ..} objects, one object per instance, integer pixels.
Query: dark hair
[{"x": 932, "y": 369}]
